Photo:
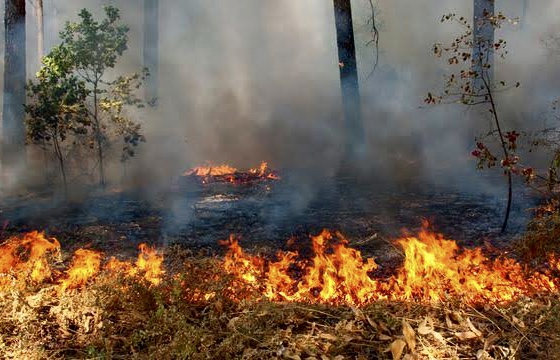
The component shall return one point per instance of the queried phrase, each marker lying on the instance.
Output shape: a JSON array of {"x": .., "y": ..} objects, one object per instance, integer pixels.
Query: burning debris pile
[
  {"x": 226, "y": 174},
  {"x": 292, "y": 305}
]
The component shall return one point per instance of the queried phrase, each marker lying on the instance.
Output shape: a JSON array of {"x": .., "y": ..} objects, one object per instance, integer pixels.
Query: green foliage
[{"x": 73, "y": 95}]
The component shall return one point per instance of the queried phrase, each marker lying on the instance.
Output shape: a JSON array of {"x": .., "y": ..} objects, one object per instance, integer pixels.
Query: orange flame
[
  {"x": 434, "y": 269},
  {"x": 26, "y": 256},
  {"x": 226, "y": 173},
  {"x": 336, "y": 274},
  {"x": 218, "y": 170},
  {"x": 150, "y": 264},
  {"x": 264, "y": 171},
  {"x": 85, "y": 265}
]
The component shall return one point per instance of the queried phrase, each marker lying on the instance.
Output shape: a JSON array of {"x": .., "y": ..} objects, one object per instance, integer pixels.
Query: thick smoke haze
[{"x": 254, "y": 80}]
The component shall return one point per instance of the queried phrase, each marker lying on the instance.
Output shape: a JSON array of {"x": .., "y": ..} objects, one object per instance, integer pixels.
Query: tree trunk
[
  {"x": 483, "y": 37},
  {"x": 348, "y": 76},
  {"x": 524, "y": 13},
  {"x": 40, "y": 31},
  {"x": 151, "y": 14},
  {"x": 13, "y": 125},
  {"x": 98, "y": 134}
]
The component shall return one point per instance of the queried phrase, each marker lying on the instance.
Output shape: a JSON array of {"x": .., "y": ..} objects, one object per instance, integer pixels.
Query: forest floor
[{"x": 124, "y": 317}]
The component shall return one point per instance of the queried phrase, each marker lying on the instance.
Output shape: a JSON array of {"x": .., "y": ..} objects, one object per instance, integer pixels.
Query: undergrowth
[{"x": 194, "y": 315}]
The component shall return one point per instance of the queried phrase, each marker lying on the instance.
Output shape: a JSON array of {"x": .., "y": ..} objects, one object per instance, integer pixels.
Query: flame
[
  {"x": 434, "y": 269},
  {"x": 264, "y": 171},
  {"x": 226, "y": 173},
  {"x": 150, "y": 264},
  {"x": 26, "y": 256},
  {"x": 85, "y": 265},
  {"x": 218, "y": 170},
  {"x": 336, "y": 274},
  {"x": 261, "y": 170}
]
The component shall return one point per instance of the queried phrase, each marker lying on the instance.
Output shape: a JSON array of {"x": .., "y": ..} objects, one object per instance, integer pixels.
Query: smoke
[{"x": 258, "y": 80}]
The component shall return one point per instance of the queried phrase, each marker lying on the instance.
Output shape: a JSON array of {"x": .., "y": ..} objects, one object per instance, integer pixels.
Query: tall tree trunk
[
  {"x": 348, "y": 76},
  {"x": 98, "y": 134},
  {"x": 13, "y": 126},
  {"x": 40, "y": 30},
  {"x": 151, "y": 31},
  {"x": 483, "y": 37},
  {"x": 524, "y": 13}
]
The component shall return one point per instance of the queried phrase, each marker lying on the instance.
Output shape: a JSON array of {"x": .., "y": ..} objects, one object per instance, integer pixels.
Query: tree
[
  {"x": 13, "y": 129},
  {"x": 40, "y": 29},
  {"x": 57, "y": 106},
  {"x": 73, "y": 84},
  {"x": 473, "y": 85},
  {"x": 483, "y": 36},
  {"x": 151, "y": 32},
  {"x": 348, "y": 75}
]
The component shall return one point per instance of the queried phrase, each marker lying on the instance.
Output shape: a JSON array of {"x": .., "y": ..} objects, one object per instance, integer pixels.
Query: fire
[
  {"x": 26, "y": 257},
  {"x": 434, "y": 269},
  {"x": 85, "y": 265},
  {"x": 225, "y": 173},
  {"x": 149, "y": 265},
  {"x": 218, "y": 170},
  {"x": 336, "y": 273}
]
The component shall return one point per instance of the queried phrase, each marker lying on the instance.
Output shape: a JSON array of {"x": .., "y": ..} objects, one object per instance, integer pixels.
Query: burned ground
[{"x": 266, "y": 214}]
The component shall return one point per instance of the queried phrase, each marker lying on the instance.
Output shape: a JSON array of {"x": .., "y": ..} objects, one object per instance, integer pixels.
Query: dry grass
[
  {"x": 542, "y": 236},
  {"x": 125, "y": 318}
]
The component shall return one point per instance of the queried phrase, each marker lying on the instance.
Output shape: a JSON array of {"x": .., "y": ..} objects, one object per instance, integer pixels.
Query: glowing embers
[
  {"x": 434, "y": 269},
  {"x": 227, "y": 174}
]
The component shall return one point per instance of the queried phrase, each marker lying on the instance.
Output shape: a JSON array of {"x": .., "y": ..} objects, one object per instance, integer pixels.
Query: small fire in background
[{"x": 228, "y": 174}]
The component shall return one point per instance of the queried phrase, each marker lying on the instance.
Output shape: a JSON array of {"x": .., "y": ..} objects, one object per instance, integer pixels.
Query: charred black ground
[{"x": 267, "y": 213}]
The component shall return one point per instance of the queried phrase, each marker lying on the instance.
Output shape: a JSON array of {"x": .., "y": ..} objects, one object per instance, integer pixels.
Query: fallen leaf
[
  {"x": 397, "y": 348},
  {"x": 409, "y": 335},
  {"x": 518, "y": 322},
  {"x": 358, "y": 313},
  {"x": 448, "y": 321},
  {"x": 473, "y": 329},
  {"x": 438, "y": 337},
  {"x": 483, "y": 355},
  {"x": 372, "y": 323},
  {"x": 328, "y": 337},
  {"x": 425, "y": 327},
  {"x": 466, "y": 335}
]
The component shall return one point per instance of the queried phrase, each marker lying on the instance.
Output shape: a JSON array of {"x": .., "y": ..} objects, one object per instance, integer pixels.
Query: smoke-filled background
[{"x": 252, "y": 80}]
